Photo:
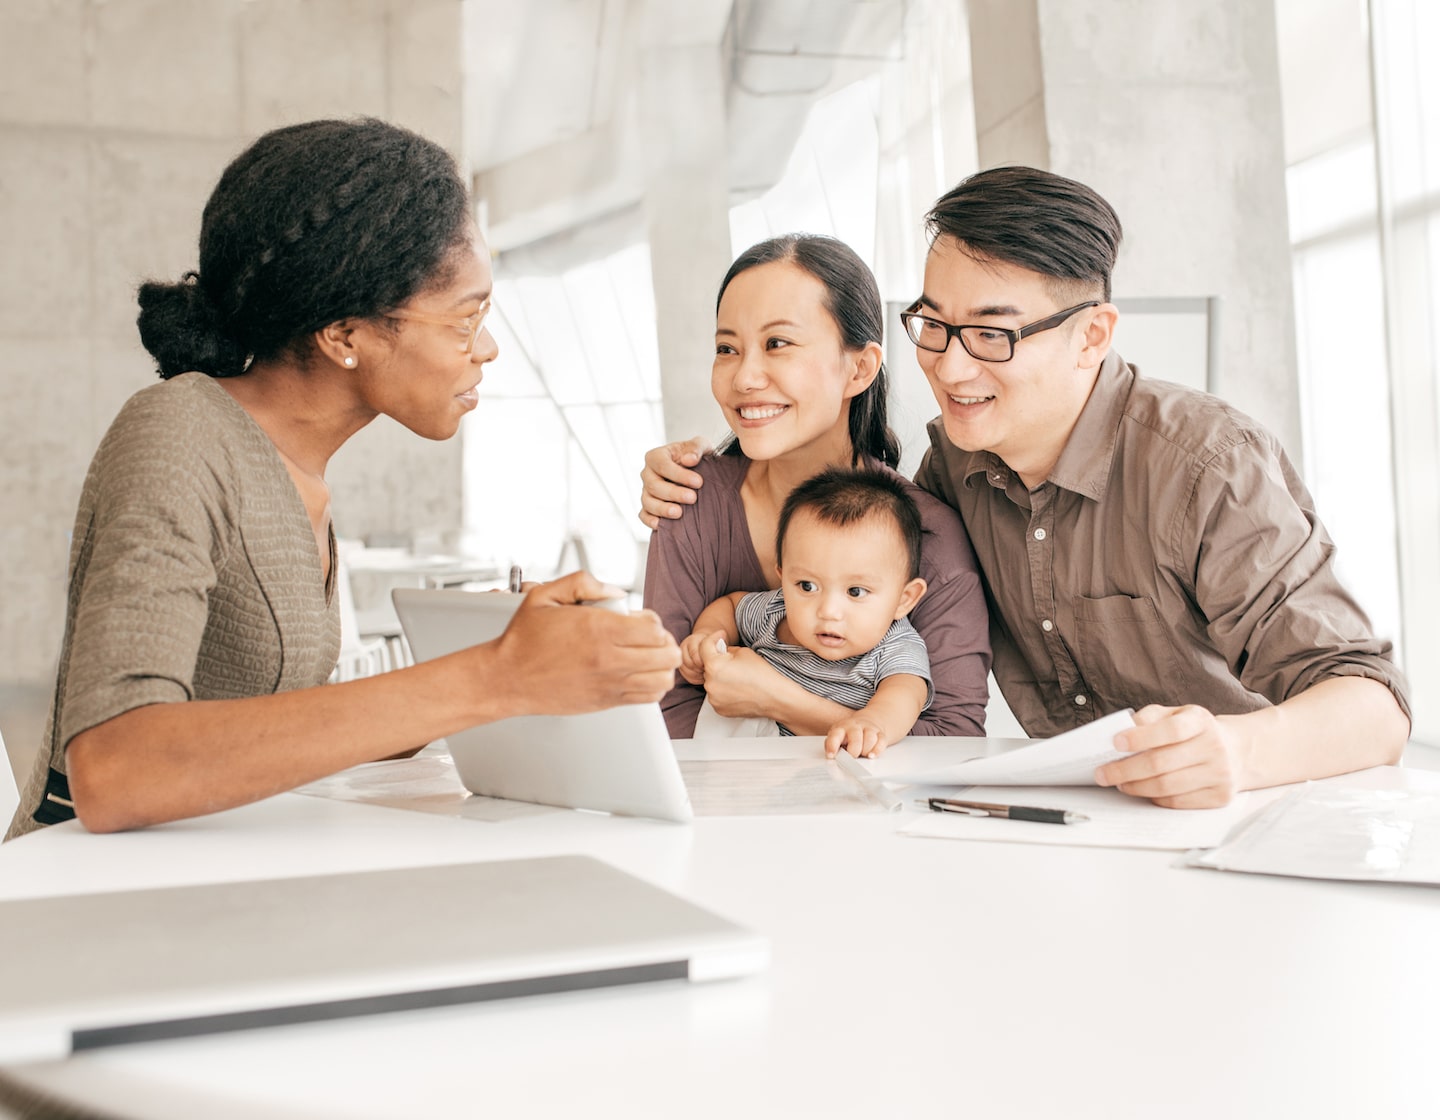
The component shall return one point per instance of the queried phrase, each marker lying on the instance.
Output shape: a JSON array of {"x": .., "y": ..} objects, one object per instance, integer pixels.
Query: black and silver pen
[
  {"x": 1012, "y": 812},
  {"x": 515, "y": 578}
]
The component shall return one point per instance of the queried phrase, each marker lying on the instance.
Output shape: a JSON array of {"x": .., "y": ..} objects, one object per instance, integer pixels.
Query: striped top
[
  {"x": 709, "y": 553},
  {"x": 852, "y": 681}
]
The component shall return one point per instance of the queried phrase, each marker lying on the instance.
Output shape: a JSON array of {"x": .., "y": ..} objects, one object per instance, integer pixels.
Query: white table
[{"x": 909, "y": 977}]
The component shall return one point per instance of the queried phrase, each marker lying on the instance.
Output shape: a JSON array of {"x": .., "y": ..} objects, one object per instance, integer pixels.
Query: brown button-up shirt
[{"x": 1173, "y": 556}]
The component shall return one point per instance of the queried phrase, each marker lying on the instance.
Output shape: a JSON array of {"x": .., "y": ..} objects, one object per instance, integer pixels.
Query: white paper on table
[
  {"x": 747, "y": 787},
  {"x": 1065, "y": 760},
  {"x": 427, "y": 783},
  {"x": 1116, "y": 819},
  {"x": 1332, "y": 830}
]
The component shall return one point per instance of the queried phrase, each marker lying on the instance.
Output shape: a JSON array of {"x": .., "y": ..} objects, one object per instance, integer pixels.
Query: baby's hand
[
  {"x": 858, "y": 734},
  {"x": 692, "y": 664}
]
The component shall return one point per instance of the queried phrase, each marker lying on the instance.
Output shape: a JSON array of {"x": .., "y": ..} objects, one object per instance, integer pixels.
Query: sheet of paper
[
  {"x": 1333, "y": 830},
  {"x": 771, "y": 786},
  {"x": 1065, "y": 760},
  {"x": 1116, "y": 820},
  {"x": 760, "y": 778},
  {"x": 873, "y": 789},
  {"x": 427, "y": 783}
]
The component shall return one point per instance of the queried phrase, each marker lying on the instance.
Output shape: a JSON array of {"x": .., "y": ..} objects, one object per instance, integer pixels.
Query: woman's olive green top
[{"x": 193, "y": 576}]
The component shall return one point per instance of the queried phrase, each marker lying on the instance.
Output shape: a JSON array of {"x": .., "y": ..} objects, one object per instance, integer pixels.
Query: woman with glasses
[
  {"x": 799, "y": 379},
  {"x": 341, "y": 277}
]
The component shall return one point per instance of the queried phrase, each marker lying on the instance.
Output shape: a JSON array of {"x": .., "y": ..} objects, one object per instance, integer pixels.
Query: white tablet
[{"x": 618, "y": 761}]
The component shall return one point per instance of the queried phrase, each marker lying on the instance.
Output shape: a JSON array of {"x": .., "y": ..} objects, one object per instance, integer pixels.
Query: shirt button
[
  {"x": 1039, "y": 534},
  {"x": 1081, "y": 701},
  {"x": 1047, "y": 626}
]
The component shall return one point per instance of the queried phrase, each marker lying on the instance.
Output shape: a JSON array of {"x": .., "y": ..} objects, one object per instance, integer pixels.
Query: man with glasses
[{"x": 1143, "y": 545}]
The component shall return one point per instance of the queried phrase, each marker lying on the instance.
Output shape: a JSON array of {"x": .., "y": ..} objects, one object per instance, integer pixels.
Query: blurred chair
[
  {"x": 359, "y": 656},
  {"x": 9, "y": 789}
]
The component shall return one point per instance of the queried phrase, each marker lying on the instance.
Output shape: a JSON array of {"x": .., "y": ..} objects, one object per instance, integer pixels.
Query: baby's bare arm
[
  {"x": 715, "y": 621},
  {"x": 889, "y": 716}
]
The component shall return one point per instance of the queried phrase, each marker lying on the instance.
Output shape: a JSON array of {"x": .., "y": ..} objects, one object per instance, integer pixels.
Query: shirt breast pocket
[{"x": 1125, "y": 652}]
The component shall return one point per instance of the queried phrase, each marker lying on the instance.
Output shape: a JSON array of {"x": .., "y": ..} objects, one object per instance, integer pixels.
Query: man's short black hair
[
  {"x": 844, "y": 496},
  {"x": 1034, "y": 219}
]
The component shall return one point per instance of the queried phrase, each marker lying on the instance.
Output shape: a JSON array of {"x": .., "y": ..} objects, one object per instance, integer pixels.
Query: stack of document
[{"x": 1070, "y": 759}]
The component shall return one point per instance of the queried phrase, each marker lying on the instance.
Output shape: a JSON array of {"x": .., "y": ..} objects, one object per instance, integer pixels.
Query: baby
[{"x": 848, "y": 554}]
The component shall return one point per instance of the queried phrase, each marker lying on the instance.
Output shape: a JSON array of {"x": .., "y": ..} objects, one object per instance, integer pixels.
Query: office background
[{"x": 1276, "y": 164}]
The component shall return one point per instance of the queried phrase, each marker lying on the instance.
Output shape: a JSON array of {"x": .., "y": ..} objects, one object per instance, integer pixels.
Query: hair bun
[{"x": 180, "y": 326}]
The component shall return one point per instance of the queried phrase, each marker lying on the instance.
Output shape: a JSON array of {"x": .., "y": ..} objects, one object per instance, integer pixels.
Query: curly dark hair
[
  {"x": 853, "y": 300},
  {"x": 312, "y": 223}
]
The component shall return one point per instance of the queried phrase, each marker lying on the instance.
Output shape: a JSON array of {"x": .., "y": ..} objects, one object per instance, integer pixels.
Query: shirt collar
[
  {"x": 1084, "y": 463},
  {"x": 986, "y": 463}
]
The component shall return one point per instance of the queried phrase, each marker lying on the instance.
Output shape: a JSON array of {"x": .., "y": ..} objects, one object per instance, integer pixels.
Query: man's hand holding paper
[{"x": 1181, "y": 758}]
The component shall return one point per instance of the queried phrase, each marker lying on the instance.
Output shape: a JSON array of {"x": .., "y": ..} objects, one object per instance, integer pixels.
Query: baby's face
[{"x": 843, "y": 587}]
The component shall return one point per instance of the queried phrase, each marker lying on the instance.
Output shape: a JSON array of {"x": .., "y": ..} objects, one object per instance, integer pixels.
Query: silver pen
[
  {"x": 515, "y": 578},
  {"x": 1010, "y": 812}
]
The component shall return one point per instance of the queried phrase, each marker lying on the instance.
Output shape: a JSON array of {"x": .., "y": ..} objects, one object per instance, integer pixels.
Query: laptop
[
  {"x": 618, "y": 761},
  {"x": 84, "y": 971}
]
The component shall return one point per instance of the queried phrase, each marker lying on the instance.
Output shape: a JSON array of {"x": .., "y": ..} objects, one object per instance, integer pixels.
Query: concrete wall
[
  {"x": 1172, "y": 112},
  {"x": 115, "y": 121}
]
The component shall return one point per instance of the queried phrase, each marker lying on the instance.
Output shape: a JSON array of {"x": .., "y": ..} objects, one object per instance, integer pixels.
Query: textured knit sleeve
[{"x": 144, "y": 560}]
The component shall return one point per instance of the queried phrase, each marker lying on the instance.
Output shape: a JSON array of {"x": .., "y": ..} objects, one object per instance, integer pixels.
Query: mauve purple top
[{"x": 708, "y": 553}]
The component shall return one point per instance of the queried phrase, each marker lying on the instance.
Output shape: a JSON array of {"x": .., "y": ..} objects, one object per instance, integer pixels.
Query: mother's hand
[
  {"x": 738, "y": 681},
  {"x": 560, "y": 658}
]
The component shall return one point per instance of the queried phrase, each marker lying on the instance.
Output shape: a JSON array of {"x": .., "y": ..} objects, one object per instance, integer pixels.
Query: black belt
[{"x": 56, "y": 806}]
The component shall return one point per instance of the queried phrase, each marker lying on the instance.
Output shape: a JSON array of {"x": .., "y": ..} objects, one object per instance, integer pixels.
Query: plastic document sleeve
[{"x": 1320, "y": 831}]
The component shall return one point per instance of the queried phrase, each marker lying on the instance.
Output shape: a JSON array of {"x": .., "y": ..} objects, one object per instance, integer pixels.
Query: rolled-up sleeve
[{"x": 1265, "y": 579}]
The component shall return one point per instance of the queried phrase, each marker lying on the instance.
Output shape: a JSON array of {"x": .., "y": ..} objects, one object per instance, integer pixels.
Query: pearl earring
[{"x": 350, "y": 361}]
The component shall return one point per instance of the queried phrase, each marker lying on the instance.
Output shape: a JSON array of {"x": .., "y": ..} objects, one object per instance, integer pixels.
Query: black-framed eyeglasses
[{"x": 988, "y": 344}]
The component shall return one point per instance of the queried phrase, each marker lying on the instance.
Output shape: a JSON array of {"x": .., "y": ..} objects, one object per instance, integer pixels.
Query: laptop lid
[
  {"x": 181, "y": 961},
  {"x": 619, "y": 761}
]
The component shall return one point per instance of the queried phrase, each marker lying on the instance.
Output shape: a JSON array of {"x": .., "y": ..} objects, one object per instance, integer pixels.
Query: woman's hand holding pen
[{"x": 558, "y": 658}]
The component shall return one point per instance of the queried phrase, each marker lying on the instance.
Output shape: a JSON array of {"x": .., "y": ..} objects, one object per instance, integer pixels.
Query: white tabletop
[{"x": 909, "y": 976}]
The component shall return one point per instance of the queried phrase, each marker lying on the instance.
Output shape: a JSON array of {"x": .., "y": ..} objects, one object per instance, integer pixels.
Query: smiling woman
[
  {"x": 340, "y": 278},
  {"x": 799, "y": 378}
]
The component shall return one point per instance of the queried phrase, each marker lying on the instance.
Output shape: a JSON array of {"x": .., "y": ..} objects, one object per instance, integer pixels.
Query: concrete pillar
[
  {"x": 926, "y": 125},
  {"x": 681, "y": 109},
  {"x": 1172, "y": 112},
  {"x": 406, "y": 60}
]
